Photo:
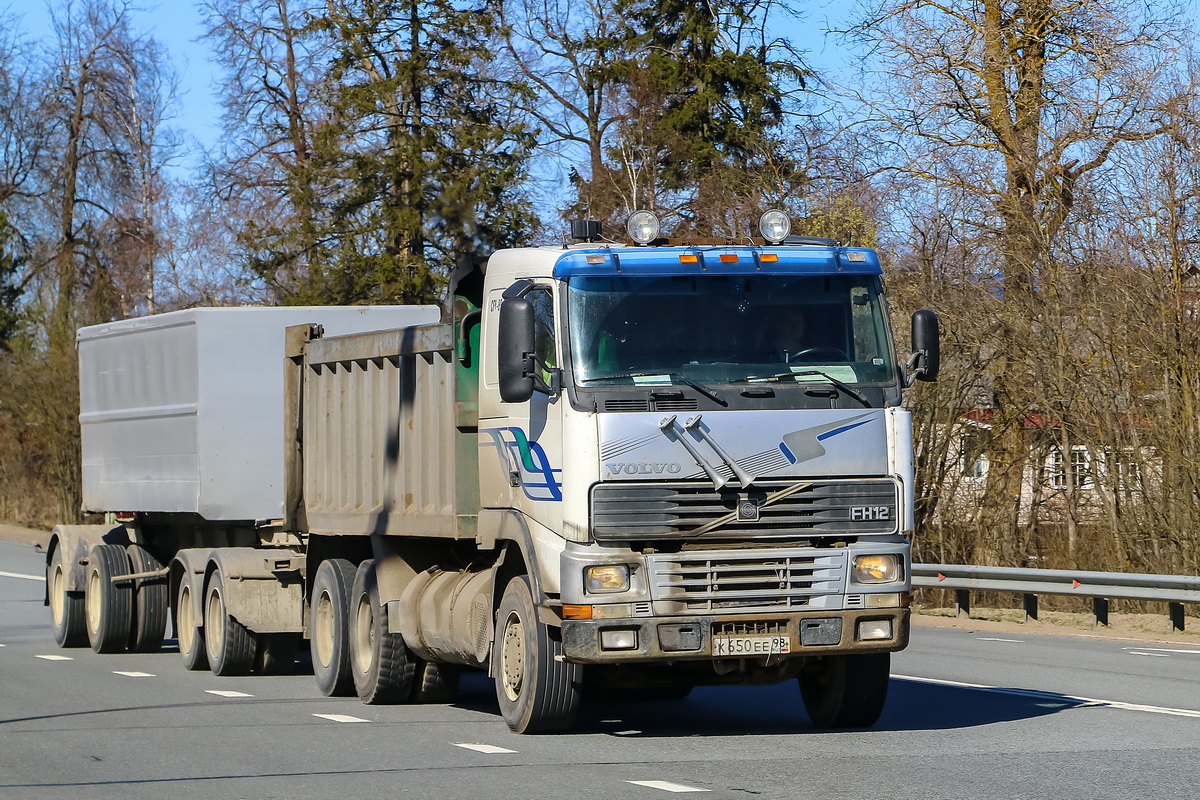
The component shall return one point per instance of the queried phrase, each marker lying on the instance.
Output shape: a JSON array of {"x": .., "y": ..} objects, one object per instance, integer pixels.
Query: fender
[{"x": 76, "y": 542}]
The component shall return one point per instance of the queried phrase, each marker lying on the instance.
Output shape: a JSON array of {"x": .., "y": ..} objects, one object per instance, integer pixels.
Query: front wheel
[
  {"x": 538, "y": 691},
  {"x": 845, "y": 691}
]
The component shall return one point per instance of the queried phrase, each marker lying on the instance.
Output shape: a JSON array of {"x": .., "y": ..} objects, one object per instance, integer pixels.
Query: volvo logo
[{"x": 645, "y": 468}]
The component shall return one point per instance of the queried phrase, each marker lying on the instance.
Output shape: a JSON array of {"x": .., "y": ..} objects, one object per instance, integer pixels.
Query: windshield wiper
[
  {"x": 825, "y": 377},
  {"x": 711, "y": 394}
]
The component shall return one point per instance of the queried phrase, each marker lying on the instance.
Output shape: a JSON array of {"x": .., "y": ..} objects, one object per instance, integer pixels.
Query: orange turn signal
[
  {"x": 576, "y": 612},
  {"x": 769, "y": 258},
  {"x": 689, "y": 259}
]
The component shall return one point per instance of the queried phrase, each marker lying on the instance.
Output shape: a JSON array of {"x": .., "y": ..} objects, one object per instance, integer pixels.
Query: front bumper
[{"x": 690, "y": 638}]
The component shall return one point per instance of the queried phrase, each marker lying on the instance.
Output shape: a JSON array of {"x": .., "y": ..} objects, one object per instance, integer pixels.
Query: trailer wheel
[
  {"x": 109, "y": 605},
  {"x": 434, "y": 681},
  {"x": 845, "y": 691},
  {"x": 330, "y": 621},
  {"x": 149, "y": 624},
  {"x": 379, "y": 660},
  {"x": 538, "y": 692},
  {"x": 190, "y": 636},
  {"x": 67, "y": 609},
  {"x": 229, "y": 645}
]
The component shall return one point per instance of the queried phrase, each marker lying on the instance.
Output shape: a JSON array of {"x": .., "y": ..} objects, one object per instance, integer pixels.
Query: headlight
[
  {"x": 774, "y": 226},
  {"x": 877, "y": 569},
  {"x": 642, "y": 227},
  {"x": 606, "y": 578}
]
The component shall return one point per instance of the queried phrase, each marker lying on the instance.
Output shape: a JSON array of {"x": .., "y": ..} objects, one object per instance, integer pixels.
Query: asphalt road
[{"x": 1044, "y": 717}]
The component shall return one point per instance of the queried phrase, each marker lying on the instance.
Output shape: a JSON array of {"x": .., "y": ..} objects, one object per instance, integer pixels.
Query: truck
[{"x": 636, "y": 466}]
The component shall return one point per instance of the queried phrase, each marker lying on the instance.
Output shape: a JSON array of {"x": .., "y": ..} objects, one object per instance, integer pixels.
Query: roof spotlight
[
  {"x": 774, "y": 225},
  {"x": 642, "y": 227}
]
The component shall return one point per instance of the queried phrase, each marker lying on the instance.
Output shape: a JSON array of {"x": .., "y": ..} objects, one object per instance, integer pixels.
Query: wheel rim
[
  {"x": 512, "y": 657},
  {"x": 364, "y": 636},
  {"x": 183, "y": 619},
  {"x": 214, "y": 623},
  {"x": 323, "y": 630},
  {"x": 57, "y": 601},
  {"x": 92, "y": 601}
]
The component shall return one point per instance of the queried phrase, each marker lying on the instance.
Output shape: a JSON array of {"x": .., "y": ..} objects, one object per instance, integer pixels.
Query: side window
[{"x": 544, "y": 333}]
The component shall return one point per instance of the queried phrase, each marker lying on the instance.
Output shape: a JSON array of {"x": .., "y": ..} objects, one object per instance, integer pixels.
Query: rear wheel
[
  {"x": 379, "y": 661},
  {"x": 330, "y": 621},
  {"x": 67, "y": 609},
  {"x": 229, "y": 645},
  {"x": 149, "y": 624},
  {"x": 846, "y": 691},
  {"x": 189, "y": 634},
  {"x": 109, "y": 605},
  {"x": 537, "y": 690}
]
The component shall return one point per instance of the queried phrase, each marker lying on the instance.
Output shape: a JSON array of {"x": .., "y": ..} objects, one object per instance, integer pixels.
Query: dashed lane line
[
  {"x": 995, "y": 639},
  {"x": 482, "y": 748},
  {"x": 134, "y": 674},
  {"x": 1164, "y": 650},
  {"x": 1152, "y": 655},
  {"x": 55, "y": 658},
  {"x": 667, "y": 786},
  {"x": 227, "y": 693},
  {"x": 341, "y": 718},
  {"x": 41, "y": 578},
  {"x": 1079, "y": 701}
]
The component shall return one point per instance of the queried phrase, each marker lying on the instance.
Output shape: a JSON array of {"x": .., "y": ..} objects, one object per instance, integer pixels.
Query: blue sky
[{"x": 178, "y": 26}]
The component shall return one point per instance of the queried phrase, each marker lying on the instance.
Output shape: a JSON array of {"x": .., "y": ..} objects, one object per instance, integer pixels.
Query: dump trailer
[{"x": 598, "y": 467}]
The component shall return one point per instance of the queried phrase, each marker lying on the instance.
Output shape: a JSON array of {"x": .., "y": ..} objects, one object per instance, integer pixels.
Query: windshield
[{"x": 728, "y": 329}]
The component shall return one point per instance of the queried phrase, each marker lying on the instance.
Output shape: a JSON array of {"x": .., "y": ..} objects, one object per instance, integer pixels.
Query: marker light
[
  {"x": 642, "y": 226},
  {"x": 774, "y": 225}
]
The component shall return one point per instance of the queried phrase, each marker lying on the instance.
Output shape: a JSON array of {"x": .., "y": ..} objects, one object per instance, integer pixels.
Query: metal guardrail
[{"x": 1175, "y": 590}]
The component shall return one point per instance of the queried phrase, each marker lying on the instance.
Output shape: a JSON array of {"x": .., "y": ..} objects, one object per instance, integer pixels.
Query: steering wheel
[{"x": 817, "y": 353}]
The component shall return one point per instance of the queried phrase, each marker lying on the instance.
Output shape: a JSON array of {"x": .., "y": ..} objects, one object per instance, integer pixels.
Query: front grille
[
  {"x": 771, "y": 627},
  {"x": 624, "y": 511},
  {"x": 741, "y": 581},
  {"x": 657, "y": 404}
]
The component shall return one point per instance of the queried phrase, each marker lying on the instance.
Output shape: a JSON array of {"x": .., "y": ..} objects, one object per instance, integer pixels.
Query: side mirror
[
  {"x": 515, "y": 351},
  {"x": 926, "y": 342}
]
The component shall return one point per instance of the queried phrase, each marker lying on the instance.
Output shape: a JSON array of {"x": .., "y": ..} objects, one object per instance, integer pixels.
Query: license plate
[{"x": 750, "y": 645}]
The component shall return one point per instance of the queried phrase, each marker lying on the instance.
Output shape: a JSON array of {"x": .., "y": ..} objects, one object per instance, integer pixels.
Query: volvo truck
[{"x": 603, "y": 466}]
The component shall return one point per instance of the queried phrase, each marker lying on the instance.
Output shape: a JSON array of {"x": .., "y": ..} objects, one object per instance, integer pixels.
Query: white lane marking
[
  {"x": 994, "y": 639},
  {"x": 134, "y": 674},
  {"x": 26, "y": 577},
  {"x": 1081, "y": 701},
  {"x": 626, "y": 733},
  {"x": 1152, "y": 655},
  {"x": 341, "y": 718},
  {"x": 482, "y": 748},
  {"x": 668, "y": 787},
  {"x": 227, "y": 693},
  {"x": 1163, "y": 650},
  {"x": 55, "y": 658}
]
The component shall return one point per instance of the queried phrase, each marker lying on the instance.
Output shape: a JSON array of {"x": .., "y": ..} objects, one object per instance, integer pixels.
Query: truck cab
[{"x": 705, "y": 446}]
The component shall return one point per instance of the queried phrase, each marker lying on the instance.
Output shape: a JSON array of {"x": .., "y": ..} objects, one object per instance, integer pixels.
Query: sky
[{"x": 178, "y": 26}]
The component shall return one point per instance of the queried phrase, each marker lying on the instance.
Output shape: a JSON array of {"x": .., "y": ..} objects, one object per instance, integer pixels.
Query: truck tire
[
  {"x": 538, "y": 692},
  {"x": 189, "y": 635},
  {"x": 845, "y": 691},
  {"x": 330, "y": 623},
  {"x": 67, "y": 609},
  {"x": 109, "y": 605},
  {"x": 434, "y": 682},
  {"x": 149, "y": 624},
  {"x": 379, "y": 661},
  {"x": 229, "y": 645}
]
